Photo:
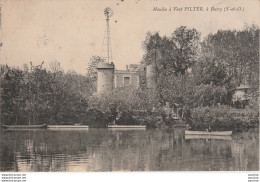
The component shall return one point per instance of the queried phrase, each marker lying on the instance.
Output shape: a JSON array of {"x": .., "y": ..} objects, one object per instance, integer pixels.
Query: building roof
[
  {"x": 132, "y": 67},
  {"x": 137, "y": 67}
]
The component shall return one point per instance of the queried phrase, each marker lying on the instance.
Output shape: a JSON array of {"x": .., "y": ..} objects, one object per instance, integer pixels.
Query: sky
[{"x": 72, "y": 31}]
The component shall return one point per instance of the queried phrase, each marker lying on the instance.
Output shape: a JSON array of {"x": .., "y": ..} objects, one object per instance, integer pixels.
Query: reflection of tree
[
  {"x": 7, "y": 157},
  {"x": 246, "y": 159},
  {"x": 106, "y": 150}
]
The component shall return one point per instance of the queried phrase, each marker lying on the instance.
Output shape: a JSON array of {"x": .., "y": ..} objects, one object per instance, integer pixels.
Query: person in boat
[{"x": 209, "y": 129}]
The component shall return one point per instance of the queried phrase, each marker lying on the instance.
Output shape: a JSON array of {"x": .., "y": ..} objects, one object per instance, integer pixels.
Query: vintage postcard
[{"x": 129, "y": 85}]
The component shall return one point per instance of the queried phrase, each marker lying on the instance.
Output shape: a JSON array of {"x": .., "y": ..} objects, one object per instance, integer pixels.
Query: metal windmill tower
[{"x": 106, "y": 47}]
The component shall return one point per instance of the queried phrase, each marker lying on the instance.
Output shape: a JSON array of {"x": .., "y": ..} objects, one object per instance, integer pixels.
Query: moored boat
[
  {"x": 44, "y": 126},
  {"x": 207, "y": 137},
  {"x": 67, "y": 127},
  {"x": 212, "y": 133},
  {"x": 126, "y": 126}
]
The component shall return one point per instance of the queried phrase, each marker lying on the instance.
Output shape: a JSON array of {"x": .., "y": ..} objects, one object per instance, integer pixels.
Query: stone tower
[
  {"x": 106, "y": 70},
  {"x": 151, "y": 76},
  {"x": 105, "y": 77}
]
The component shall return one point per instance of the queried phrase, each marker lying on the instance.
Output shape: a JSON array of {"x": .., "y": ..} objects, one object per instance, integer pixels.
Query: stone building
[
  {"x": 105, "y": 74},
  {"x": 135, "y": 76}
]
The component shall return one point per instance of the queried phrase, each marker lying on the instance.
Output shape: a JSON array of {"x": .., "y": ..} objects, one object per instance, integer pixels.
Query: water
[{"x": 125, "y": 150}]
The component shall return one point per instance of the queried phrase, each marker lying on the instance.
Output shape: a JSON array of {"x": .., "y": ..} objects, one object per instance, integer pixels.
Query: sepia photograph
[{"x": 129, "y": 86}]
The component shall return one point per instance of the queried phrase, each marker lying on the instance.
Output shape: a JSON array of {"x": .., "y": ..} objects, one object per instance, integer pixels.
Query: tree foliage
[
  {"x": 35, "y": 95},
  {"x": 172, "y": 55},
  {"x": 92, "y": 71},
  {"x": 194, "y": 73}
]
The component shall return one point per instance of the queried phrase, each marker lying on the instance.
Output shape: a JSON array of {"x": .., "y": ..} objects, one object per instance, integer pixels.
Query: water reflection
[{"x": 125, "y": 150}]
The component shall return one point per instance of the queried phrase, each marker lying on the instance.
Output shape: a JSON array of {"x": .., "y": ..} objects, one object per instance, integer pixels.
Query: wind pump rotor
[{"x": 108, "y": 12}]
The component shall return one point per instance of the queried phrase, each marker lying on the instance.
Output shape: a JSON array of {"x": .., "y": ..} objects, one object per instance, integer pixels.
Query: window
[{"x": 126, "y": 81}]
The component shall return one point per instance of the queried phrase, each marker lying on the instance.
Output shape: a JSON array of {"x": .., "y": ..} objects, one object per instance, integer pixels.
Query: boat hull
[
  {"x": 207, "y": 137},
  {"x": 67, "y": 127},
  {"x": 217, "y": 133},
  {"x": 24, "y": 127},
  {"x": 127, "y": 126}
]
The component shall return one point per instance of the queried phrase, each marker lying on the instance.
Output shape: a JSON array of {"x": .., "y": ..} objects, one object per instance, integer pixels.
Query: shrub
[
  {"x": 223, "y": 118},
  {"x": 123, "y": 101},
  {"x": 96, "y": 119},
  {"x": 127, "y": 119}
]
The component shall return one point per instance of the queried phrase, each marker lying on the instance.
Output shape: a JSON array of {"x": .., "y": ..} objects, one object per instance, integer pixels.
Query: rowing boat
[
  {"x": 126, "y": 126},
  {"x": 67, "y": 127},
  {"x": 24, "y": 126},
  {"x": 207, "y": 137},
  {"x": 213, "y": 133}
]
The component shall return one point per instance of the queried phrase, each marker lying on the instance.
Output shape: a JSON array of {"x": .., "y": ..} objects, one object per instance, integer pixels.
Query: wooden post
[
  {"x": 29, "y": 118},
  {"x": 0, "y": 106}
]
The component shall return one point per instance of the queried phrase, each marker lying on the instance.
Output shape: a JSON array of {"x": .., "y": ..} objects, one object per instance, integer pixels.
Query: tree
[
  {"x": 55, "y": 67},
  {"x": 186, "y": 44},
  {"x": 37, "y": 96},
  {"x": 236, "y": 53},
  {"x": 172, "y": 56},
  {"x": 92, "y": 67},
  {"x": 228, "y": 59}
]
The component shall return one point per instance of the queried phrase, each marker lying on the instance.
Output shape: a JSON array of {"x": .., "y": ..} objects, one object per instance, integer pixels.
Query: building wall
[
  {"x": 105, "y": 77},
  {"x": 120, "y": 81},
  {"x": 139, "y": 76}
]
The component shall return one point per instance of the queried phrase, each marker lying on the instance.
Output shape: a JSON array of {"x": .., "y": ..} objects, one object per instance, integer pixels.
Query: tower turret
[
  {"x": 105, "y": 70},
  {"x": 151, "y": 76},
  {"x": 105, "y": 77}
]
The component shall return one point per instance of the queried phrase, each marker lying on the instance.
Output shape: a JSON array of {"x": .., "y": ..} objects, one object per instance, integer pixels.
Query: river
[{"x": 126, "y": 150}]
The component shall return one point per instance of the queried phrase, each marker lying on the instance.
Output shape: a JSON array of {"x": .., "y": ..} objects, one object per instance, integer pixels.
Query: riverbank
[{"x": 220, "y": 118}]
